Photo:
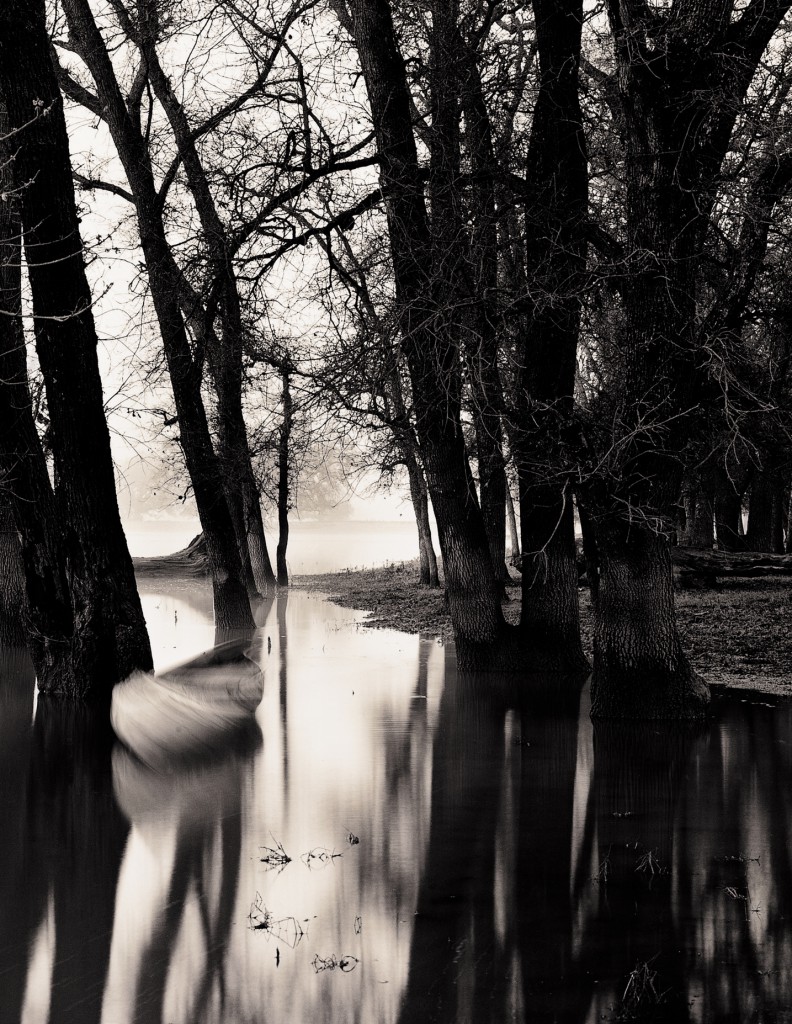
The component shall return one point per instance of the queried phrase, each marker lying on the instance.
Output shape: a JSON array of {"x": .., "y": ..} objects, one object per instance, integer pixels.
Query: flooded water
[
  {"x": 390, "y": 841},
  {"x": 313, "y": 547}
]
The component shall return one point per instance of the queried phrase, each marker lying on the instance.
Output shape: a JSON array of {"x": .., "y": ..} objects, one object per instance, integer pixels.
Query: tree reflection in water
[{"x": 513, "y": 863}]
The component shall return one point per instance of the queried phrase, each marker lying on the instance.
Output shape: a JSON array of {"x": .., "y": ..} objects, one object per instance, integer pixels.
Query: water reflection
[{"x": 394, "y": 841}]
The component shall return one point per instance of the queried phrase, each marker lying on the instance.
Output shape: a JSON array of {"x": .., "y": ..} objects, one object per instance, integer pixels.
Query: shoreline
[{"x": 736, "y": 634}]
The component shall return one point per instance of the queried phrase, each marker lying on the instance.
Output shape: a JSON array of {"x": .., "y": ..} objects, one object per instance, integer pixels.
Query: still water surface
[{"x": 458, "y": 852}]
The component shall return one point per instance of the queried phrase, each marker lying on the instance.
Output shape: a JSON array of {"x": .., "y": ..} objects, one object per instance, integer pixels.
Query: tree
[
  {"x": 682, "y": 72},
  {"x": 232, "y": 608},
  {"x": 428, "y": 256},
  {"x": 94, "y": 597}
]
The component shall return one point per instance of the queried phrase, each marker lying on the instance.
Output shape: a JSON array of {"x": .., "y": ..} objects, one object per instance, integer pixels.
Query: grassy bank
[{"x": 737, "y": 634}]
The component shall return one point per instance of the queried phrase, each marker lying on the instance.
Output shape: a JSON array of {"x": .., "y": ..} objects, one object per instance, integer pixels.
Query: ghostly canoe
[{"x": 193, "y": 712}]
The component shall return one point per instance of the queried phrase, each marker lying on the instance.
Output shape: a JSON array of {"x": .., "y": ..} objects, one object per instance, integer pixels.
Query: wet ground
[{"x": 386, "y": 840}]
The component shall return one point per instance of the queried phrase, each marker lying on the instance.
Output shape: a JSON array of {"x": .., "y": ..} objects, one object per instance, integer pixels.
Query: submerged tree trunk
[
  {"x": 426, "y": 261},
  {"x": 284, "y": 443},
  {"x": 110, "y": 639},
  {"x": 232, "y": 607},
  {"x": 555, "y": 215},
  {"x": 640, "y": 669}
]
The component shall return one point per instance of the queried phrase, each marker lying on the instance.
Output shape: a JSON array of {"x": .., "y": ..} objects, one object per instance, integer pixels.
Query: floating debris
[
  {"x": 285, "y": 929},
  {"x": 330, "y": 963},
  {"x": 648, "y": 864},
  {"x": 622, "y": 814},
  {"x": 352, "y": 839},
  {"x": 358, "y": 925},
  {"x": 275, "y": 856},
  {"x": 319, "y": 857},
  {"x": 640, "y": 993},
  {"x": 736, "y": 858}
]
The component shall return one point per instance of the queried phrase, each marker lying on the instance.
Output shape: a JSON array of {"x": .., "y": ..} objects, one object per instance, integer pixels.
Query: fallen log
[{"x": 696, "y": 567}]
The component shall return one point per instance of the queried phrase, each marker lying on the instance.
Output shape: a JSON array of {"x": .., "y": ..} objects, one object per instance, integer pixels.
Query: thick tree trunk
[
  {"x": 12, "y": 579},
  {"x": 687, "y": 68},
  {"x": 555, "y": 213},
  {"x": 640, "y": 670},
  {"x": 284, "y": 443},
  {"x": 110, "y": 640},
  {"x": 426, "y": 264},
  {"x": 232, "y": 607}
]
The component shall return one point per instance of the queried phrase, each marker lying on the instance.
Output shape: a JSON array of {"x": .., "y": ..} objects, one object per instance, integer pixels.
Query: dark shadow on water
[
  {"x": 63, "y": 840},
  {"x": 511, "y": 861}
]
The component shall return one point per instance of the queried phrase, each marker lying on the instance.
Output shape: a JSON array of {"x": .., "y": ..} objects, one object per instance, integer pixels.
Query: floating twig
[{"x": 329, "y": 963}]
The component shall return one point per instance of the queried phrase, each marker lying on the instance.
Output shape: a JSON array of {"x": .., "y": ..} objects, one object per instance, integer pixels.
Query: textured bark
[
  {"x": 426, "y": 261},
  {"x": 640, "y": 669},
  {"x": 110, "y": 639},
  {"x": 232, "y": 608},
  {"x": 555, "y": 214},
  {"x": 12, "y": 579},
  {"x": 284, "y": 446}
]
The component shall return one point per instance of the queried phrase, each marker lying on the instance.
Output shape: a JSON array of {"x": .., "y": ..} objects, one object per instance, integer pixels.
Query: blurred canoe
[{"x": 191, "y": 712}]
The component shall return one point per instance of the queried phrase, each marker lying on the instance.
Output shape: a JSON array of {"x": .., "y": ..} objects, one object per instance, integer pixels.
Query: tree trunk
[
  {"x": 588, "y": 531},
  {"x": 758, "y": 536},
  {"x": 283, "y": 480},
  {"x": 225, "y": 357},
  {"x": 700, "y": 526},
  {"x": 514, "y": 537},
  {"x": 481, "y": 340},
  {"x": 690, "y": 67},
  {"x": 778, "y": 515},
  {"x": 640, "y": 670},
  {"x": 420, "y": 502},
  {"x": 788, "y": 541},
  {"x": 555, "y": 214},
  {"x": 232, "y": 607},
  {"x": 12, "y": 579},
  {"x": 110, "y": 640},
  {"x": 427, "y": 307},
  {"x": 728, "y": 513}
]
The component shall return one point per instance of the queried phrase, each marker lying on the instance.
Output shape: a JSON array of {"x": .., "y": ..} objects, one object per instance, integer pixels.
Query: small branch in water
[
  {"x": 346, "y": 963},
  {"x": 319, "y": 857},
  {"x": 275, "y": 857}
]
